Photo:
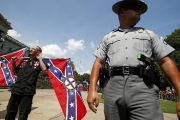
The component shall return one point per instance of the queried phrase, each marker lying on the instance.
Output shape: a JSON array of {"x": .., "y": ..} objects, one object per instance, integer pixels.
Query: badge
[
  {"x": 36, "y": 64},
  {"x": 140, "y": 30}
]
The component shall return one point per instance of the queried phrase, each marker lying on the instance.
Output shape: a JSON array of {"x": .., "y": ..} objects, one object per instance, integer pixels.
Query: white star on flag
[
  {"x": 55, "y": 71},
  {"x": 9, "y": 80},
  {"x": 72, "y": 104},
  {"x": 69, "y": 73},
  {"x": 72, "y": 118},
  {"x": 48, "y": 64},
  {"x": 7, "y": 73},
  {"x": 71, "y": 93},
  {"x": 68, "y": 66}
]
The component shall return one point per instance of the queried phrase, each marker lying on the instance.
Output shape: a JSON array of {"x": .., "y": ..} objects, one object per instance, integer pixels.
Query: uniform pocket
[
  {"x": 142, "y": 43},
  {"x": 113, "y": 46}
]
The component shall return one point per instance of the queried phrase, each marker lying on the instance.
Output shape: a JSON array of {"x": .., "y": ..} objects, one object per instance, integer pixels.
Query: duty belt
[{"x": 124, "y": 70}]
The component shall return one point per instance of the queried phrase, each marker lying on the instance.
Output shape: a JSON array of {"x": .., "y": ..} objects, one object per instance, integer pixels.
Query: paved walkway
[{"x": 46, "y": 107}]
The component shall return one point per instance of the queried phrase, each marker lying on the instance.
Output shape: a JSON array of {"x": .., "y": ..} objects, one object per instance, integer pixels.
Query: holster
[{"x": 103, "y": 74}]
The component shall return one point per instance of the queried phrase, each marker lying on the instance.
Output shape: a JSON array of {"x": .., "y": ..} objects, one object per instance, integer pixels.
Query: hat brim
[{"x": 121, "y": 4}]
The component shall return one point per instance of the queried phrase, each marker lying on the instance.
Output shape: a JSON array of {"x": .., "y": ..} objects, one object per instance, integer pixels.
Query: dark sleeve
[{"x": 17, "y": 67}]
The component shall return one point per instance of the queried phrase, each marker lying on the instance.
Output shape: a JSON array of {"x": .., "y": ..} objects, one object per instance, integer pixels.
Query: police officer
[
  {"x": 126, "y": 96},
  {"x": 23, "y": 90}
]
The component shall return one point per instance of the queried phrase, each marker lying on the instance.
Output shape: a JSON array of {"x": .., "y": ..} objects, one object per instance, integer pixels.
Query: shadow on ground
[{"x": 3, "y": 113}]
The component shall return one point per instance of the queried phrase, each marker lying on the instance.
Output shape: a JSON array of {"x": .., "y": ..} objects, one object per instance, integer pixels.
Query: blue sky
[{"x": 74, "y": 28}]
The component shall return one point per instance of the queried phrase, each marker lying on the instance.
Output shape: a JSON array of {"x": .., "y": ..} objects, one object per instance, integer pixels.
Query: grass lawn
[{"x": 166, "y": 106}]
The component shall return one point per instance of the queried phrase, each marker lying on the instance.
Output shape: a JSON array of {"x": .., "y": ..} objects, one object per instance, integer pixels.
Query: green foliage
[
  {"x": 100, "y": 100},
  {"x": 77, "y": 76},
  {"x": 86, "y": 77},
  {"x": 174, "y": 41},
  {"x": 43, "y": 74}
]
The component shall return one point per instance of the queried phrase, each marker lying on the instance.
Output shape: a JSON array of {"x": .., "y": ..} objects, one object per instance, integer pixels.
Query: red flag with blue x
[
  {"x": 6, "y": 76},
  {"x": 66, "y": 89}
]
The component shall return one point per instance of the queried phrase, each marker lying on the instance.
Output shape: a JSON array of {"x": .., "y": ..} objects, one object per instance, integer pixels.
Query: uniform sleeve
[
  {"x": 101, "y": 51},
  {"x": 160, "y": 48}
]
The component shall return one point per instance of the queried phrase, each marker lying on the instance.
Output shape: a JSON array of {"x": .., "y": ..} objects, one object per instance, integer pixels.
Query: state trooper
[{"x": 126, "y": 96}]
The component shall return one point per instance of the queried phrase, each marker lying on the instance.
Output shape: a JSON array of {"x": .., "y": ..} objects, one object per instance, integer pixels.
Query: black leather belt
[{"x": 125, "y": 70}]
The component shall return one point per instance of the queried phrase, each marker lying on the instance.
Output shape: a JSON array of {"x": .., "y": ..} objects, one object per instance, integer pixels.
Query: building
[
  {"x": 10, "y": 44},
  {"x": 7, "y": 43},
  {"x": 4, "y": 27}
]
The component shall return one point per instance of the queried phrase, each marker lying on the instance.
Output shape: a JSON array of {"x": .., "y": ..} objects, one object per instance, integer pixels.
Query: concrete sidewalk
[{"x": 46, "y": 107}]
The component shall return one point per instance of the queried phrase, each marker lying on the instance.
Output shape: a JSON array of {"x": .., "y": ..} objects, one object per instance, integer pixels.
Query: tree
[
  {"x": 77, "y": 76},
  {"x": 43, "y": 74},
  {"x": 86, "y": 77},
  {"x": 174, "y": 41}
]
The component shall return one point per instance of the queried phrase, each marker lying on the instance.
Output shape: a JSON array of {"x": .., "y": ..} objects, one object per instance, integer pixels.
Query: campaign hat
[{"x": 119, "y": 5}]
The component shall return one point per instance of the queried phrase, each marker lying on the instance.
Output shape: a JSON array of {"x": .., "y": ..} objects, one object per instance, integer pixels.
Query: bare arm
[
  {"x": 172, "y": 74},
  {"x": 92, "y": 98},
  {"x": 42, "y": 65},
  {"x": 14, "y": 59}
]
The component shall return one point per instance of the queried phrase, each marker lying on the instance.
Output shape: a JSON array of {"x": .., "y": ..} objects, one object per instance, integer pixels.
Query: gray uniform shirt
[{"x": 122, "y": 46}]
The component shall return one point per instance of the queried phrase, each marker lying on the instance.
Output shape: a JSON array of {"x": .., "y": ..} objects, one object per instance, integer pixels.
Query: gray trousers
[{"x": 129, "y": 98}]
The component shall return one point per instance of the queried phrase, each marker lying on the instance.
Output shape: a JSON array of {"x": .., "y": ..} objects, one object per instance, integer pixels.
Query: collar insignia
[{"x": 140, "y": 30}]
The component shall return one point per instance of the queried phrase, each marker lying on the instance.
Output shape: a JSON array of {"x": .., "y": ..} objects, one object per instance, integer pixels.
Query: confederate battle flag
[
  {"x": 6, "y": 76},
  {"x": 66, "y": 89}
]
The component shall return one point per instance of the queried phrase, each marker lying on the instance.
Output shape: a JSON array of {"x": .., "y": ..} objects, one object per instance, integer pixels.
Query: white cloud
[
  {"x": 161, "y": 38},
  {"x": 88, "y": 72},
  {"x": 34, "y": 43},
  {"x": 14, "y": 34},
  {"x": 53, "y": 51},
  {"x": 73, "y": 45},
  {"x": 92, "y": 45}
]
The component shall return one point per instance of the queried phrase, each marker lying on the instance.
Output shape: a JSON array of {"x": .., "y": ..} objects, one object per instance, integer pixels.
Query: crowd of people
[{"x": 168, "y": 95}]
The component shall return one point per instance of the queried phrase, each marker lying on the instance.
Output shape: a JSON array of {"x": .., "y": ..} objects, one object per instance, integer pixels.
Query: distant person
[
  {"x": 87, "y": 84},
  {"x": 127, "y": 96},
  {"x": 0, "y": 63},
  {"x": 23, "y": 90}
]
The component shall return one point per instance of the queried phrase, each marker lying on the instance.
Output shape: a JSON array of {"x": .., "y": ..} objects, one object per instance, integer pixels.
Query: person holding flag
[{"x": 23, "y": 90}]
